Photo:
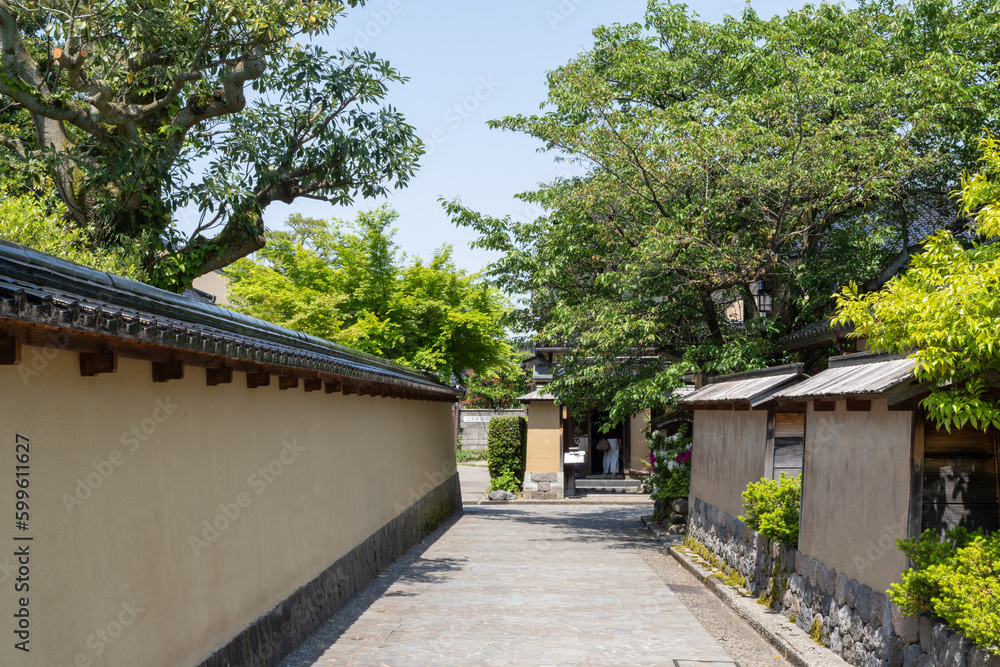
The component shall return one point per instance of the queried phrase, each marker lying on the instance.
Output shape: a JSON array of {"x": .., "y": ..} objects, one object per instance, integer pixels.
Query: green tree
[
  {"x": 497, "y": 388},
  {"x": 351, "y": 284},
  {"x": 945, "y": 307},
  {"x": 797, "y": 151},
  {"x": 138, "y": 109}
]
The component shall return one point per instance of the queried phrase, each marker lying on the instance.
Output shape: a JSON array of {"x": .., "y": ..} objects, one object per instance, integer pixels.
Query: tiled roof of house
[{"x": 861, "y": 374}]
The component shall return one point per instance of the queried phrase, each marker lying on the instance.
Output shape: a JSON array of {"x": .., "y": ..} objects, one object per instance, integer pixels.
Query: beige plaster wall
[
  {"x": 215, "y": 284},
  {"x": 126, "y": 476},
  {"x": 855, "y": 491},
  {"x": 544, "y": 437},
  {"x": 727, "y": 454},
  {"x": 637, "y": 442}
]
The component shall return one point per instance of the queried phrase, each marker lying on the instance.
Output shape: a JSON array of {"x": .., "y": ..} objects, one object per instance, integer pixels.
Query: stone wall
[
  {"x": 859, "y": 624},
  {"x": 542, "y": 486},
  {"x": 473, "y": 425}
]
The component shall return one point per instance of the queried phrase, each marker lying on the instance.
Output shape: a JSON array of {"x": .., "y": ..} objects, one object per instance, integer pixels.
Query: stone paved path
[{"x": 535, "y": 585}]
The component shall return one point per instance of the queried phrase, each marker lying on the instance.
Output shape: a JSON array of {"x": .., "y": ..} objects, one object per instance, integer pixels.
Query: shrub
[
  {"x": 467, "y": 455},
  {"x": 670, "y": 475},
  {"x": 508, "y": 481},
  {"x": 506, "y": 444},
  {"x": 956, "y": 579},
  {"x": 772, "y": 507}
]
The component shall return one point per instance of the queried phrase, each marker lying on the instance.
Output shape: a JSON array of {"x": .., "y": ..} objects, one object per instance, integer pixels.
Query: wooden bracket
[
  {"x": 217, "y": 376},
  {"x": 10, "y": 350},
  {"x": 287, "y": 382},
  {"x": 255, "y": 380},
  {"x": 312, "y": 384},
  {"x": 168, "y": 370},
  {"x": 348, "y": 388},
  {"x": 95, "y": 363},
  {"x": 333, "y": 386}
]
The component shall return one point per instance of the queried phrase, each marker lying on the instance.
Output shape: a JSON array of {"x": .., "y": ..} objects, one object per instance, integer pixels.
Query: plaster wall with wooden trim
[
  {"x": 727, "y": 454},
  {"x": 166, "y": 517}
]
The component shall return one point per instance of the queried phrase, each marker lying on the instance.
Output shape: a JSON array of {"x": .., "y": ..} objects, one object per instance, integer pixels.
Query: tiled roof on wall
[{"x": 40, "y": 289}]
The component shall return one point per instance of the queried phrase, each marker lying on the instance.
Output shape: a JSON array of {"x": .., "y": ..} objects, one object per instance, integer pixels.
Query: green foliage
[
  {"x": 508, "y": 481},
  {"x": 772, "y": 508},
  {"x": 470, "y": 455},
  {"x": 945, "y": 307},
  {"x": 498, "y": 388},
  {"x": 351, "y": 284},
  {"x": 506, "y": 442},
  {"x": 670, "y": 474},
  {"x": 956, "y": 579},
  {"x": 816, "y": 632},
  {"x": 718, "y": 154},
  {"x": 145, "y": 111},
  {"x": 37, "y": 221}
]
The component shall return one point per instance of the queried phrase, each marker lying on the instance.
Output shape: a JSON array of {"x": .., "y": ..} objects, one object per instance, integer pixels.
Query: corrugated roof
[
  {"x": 41, "y": 289},
  {"x": 755, "y": 387},
  {"x": 854, "y": 375}
]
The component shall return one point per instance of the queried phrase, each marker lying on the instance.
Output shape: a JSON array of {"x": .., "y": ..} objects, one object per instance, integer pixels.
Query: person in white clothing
[{"x": 611, "y": 458}]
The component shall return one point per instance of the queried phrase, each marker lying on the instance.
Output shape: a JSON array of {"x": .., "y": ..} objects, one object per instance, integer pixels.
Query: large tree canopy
[
  {"x": 943, "y": 311},
  {"x": 804, "y": 151},
  {"x": 349, "y": 283},
  {"x": 138, "y": 109}
]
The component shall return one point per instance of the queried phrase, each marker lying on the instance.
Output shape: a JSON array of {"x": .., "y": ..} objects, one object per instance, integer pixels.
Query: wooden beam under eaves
[
  {"x": 216, "y": 376},
  {"x": 95, "y": 363},
  {"x": 333, "y": 387},
  {"x": 255, "y": 380},
  {"x": 164, "y": 371},
  {"x": 312, "y": 384},
  {"x": 348, "y": 388},
  {"x": 287, "y": 382},
  {"x": 10, "y": 350}
]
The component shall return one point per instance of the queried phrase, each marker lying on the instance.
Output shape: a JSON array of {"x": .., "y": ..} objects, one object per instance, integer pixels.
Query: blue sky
[{"x": 470, "y": 62}]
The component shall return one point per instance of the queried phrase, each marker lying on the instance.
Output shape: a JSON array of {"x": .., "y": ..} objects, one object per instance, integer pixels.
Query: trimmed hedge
[{"x": 507, "y": 445}]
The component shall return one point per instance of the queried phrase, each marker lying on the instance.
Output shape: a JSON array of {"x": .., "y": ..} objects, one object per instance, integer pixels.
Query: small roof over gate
[
  {"x": 754, "y": 387},
  {"x": 862, "y": 374},
  {"x": 537, "y": 395}
]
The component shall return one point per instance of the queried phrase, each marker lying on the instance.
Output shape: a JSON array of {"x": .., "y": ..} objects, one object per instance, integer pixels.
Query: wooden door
[{"x": 960, "y": 480}]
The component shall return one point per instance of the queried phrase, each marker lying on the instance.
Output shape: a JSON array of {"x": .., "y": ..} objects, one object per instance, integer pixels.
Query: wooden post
[
  {"x": 168, "y": 370},
  {"x": 916, "y": 509},
  {"x": 287, "y": 382},
  {"x": 255, "y": 380},
  {"x": 10, "y": 350},
  {"x": 217, "y": 376},
  {"x": 312, "y": 384},
  {"x": 95, "y": 363}
]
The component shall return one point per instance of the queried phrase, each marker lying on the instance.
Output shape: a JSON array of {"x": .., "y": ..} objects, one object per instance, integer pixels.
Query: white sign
[
  {"x": 475, "y": 418},
  {"x": 574, "y": 457}
]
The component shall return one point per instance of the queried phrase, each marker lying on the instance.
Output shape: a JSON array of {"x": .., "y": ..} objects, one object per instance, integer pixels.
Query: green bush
[
  {"x": 507, "y": 446},
  {"x": 772, "y": 507},
  {"x": 670, "y": 470},
  {"x": 508, "y": 481},
  {"x": 467, "y": 455},
  {"x": 956, "y": 579}
]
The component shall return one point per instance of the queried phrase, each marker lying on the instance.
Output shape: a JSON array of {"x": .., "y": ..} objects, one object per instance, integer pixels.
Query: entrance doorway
[{"x": 585, "y": 434}]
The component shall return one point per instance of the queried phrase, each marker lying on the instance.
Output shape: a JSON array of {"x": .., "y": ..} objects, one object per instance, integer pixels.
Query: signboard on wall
[
  {"x": 475, "y": 418},
  {"x": 574, "y": 457}
]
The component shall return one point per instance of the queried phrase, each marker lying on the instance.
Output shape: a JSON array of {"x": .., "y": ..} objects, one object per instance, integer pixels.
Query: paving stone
[{"x": 536, "y": 585}]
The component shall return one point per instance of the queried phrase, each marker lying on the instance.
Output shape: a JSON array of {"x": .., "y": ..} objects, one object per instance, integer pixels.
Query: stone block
[
  {"x": 980, "y": 657},
  {"x": 956, "y": 654},
  {"x": 905, "y": 627},
  {"x": 840, "y": 590},
  {"x": 830, "y": 582},
  {"x": 912, "y": 654},
  {"x": 544, "y": 486},
  {"x": 877, "y": 609},
  {"x": 863, "y": 602},
  {"x": 544, "y": 476},
  {"x": 852, "y": 592},
  {"x": 680, "y": 506},
  {"x": 942, "y": 639},
  {"x": 800, "y": 563},
  {"x": 894, "y": 652},
  {"x": 926, "y": 629}
]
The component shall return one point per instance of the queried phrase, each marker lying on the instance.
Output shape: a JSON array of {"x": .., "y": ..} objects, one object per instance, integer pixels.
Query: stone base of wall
[
  {"x": 285, "y": 627},
  {"x": 860, "y": 625},
  {"x": 542, "y": 486}
]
